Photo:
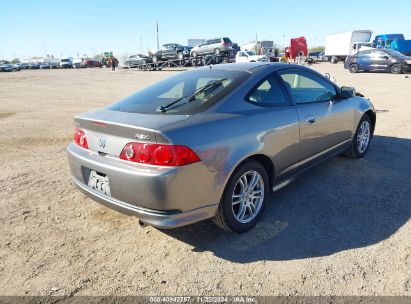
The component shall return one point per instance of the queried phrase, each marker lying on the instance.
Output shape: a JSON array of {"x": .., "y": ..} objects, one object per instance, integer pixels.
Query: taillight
[
  {"x": 80, "y": 138},
  {"x": 160, "y": 155}
]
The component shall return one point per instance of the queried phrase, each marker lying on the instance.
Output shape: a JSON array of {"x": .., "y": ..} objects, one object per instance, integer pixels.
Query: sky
[{"x": 67, "y": 28}]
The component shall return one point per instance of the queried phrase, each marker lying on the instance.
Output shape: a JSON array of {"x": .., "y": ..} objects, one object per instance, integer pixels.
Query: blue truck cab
[{"x": 394, "y": 42}]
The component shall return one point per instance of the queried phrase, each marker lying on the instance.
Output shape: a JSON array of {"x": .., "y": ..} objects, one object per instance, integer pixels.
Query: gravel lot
[{"x": 341, "y": 229}]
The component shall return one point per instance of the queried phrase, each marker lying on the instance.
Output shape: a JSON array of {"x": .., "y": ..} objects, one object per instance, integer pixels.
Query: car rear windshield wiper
[{"x": 163, "y": 109}]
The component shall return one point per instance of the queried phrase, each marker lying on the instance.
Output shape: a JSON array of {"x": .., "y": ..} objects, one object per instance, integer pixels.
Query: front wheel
[
  {"x": 362, "y": 138},
  {"x": 180, "y": 56},
  {"x": 244, "y": 198},
  {"x": 217, "y": 52},
  {"x": 395, "y": 69},
  {"x": 354, "y": 68},
  {"x": 194, "y": 54}
]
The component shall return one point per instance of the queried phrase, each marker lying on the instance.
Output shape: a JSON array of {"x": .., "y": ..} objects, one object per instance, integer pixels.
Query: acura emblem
[{"x": 102, "y": 143}]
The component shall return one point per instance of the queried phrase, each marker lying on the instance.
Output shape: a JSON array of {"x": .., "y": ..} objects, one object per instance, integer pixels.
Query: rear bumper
[
  {"x": 156, "y": 218},
  {"x": 160, "y": 196}
]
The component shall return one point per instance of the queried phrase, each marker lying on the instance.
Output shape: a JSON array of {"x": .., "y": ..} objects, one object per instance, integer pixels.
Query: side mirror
[
  {"x": 347, "y": 92},
  {"x": 386, "y": 57}
]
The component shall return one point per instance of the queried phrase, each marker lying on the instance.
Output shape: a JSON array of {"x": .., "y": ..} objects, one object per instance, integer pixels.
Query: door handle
[{"x": 310, "y": 119}]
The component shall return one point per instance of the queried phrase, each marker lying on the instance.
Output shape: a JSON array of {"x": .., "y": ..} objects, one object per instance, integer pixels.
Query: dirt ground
[{"x": 341, "y": 229}]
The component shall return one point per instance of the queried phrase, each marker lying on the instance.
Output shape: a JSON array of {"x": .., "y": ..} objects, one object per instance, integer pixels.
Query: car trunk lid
[{"x": 108, "y": 131}]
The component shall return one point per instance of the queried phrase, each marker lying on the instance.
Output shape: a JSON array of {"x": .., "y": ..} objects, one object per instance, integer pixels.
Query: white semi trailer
[{"x": 339, "y": 46}]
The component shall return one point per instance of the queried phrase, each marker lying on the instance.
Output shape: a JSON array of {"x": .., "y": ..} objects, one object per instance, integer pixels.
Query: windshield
[
  {"x": 64, "y": 60},
  {"x": 181, "y": 87},
  {"x": 250, "y": 53}
]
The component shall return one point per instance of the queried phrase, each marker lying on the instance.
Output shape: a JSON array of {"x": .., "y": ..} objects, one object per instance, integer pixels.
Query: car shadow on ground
[{"x": 339, "y": 205}]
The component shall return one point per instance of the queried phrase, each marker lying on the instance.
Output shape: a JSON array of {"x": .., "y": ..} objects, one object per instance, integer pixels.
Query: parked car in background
[
  {"x": 247, "y": 56},
  {"x": 160, "y": 154},
  {"x": 314, "y": 57},
  {"x": 7, "y": 67},
  {"x": 22, "y": 66},
  {"x": 171, "y": 51},
  {"x": 216, "y": 46},
  {"x": 381, "y": 60},
  {"x": 90, "y": 63},
  {"x": 54, "y": 65},
  {"x": 17, "y": 66},
  {"x": 34, "y": 66},
  {"x": 45, "y": 66},
  {"x": 137, "y": 59}
]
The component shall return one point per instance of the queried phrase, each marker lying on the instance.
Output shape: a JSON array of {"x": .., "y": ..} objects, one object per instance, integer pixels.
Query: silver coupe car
[{"x": 214, "y": 142}]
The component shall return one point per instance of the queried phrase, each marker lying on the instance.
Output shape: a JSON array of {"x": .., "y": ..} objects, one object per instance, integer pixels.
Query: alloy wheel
[
  {"x": 248, "y": 196},
  {"x": 363, "y": 137}
]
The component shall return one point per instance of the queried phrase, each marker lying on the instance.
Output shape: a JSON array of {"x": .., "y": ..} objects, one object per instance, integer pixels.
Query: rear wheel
[
  {"x": 353, "y": 68},
  {"x": 217, "y": 52},
  {"x": 180, "y": 55},
  {"x": 362, "y": 138},
  {"x": 155, "y": 59},
  {"x": 194, "y": 54},
  {"x": 334, "y": 59},
  {"x": 244, "y": 198},
  {"x": 396, "y": 69}
]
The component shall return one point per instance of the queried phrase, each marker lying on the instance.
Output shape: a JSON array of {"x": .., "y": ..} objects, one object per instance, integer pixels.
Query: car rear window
[
  {"x": 227, "y": 40},
  {"x": 192, "y": 92}
]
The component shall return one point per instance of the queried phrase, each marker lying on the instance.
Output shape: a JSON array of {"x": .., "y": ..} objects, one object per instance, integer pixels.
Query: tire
[
  {"x": 194, "y": 54},
  {"x": 357, "y": 150},
  {"x": 180, "y": 56},
  {"x": 396, "y": 68},
  {"x": 217, "y": 52},
  {"x": 155, "y": 59},
  {"x": 334, "y": 59},
  {"x": 242, "y": 215},
  {"x": 353, "y": 68}
]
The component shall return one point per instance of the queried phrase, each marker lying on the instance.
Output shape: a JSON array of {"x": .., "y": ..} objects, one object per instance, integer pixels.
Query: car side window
[
  {"x": 268, "y": 93},
  {"x": 378, "y": 54},
  {"x": 305, "y": 87},
  {"x": 364, "y": 54}
]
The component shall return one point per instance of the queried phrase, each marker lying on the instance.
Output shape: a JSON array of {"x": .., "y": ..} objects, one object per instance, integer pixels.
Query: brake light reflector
[
  {"x": 80, "y": 138},
  {"x": 160, "y": 155}
]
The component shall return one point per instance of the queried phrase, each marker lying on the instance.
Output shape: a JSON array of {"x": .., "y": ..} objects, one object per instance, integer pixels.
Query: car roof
[{"x": 250, "y": 66}]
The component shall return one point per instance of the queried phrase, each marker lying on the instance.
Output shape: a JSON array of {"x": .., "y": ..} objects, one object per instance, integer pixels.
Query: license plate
[{"x": 99, "y": 182}]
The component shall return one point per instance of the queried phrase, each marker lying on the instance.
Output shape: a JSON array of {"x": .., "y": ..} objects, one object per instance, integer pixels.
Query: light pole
[{"x": 158, "y": 41}]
